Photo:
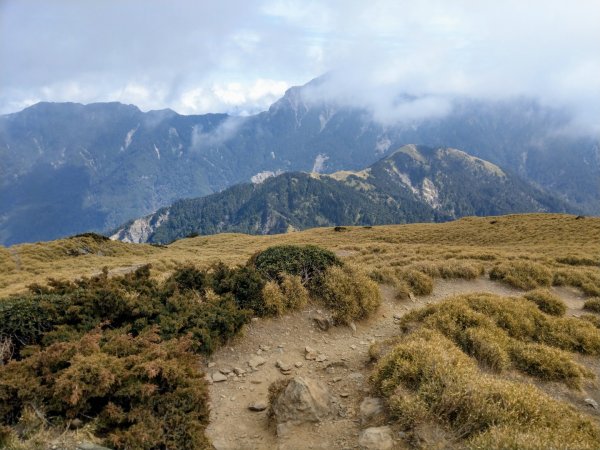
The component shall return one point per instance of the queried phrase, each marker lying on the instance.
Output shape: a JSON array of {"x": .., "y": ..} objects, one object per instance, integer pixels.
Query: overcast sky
[{"x": 240, "y": 55}]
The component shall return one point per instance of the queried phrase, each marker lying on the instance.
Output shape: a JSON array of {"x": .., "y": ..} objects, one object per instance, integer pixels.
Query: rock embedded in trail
[
  {"x": 257, "y": 406},
  {"x": 256, "y": 361},
  {"x": 218, "y": 377},
  {"x": 310, "y": 353},
  {"x": 376, "y": 438},
  {"x": 302, "y": 400},
  {"x": 371, "y": 410}
]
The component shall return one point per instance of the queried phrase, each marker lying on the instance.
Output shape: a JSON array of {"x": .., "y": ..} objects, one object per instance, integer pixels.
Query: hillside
[
  {"x": 131, "y": 341},
  {"x": 413, "y": 184},
  {"x": 69, "y": 168}
]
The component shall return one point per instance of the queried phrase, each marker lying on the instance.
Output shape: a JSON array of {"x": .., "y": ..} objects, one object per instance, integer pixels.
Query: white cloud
[{"x": 239, "y": 56}]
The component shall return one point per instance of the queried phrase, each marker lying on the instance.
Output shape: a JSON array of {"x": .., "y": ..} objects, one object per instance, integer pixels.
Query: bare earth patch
[{"x": 345, "y": 371}]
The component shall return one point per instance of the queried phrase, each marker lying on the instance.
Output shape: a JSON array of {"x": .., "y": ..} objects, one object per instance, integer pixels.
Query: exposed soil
[{"x": 346, "y": 370}]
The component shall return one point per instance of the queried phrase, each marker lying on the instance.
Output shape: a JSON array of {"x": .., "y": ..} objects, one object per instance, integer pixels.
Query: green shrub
[
  {"x": 138, "y": 392},
  {"x": 592, "y": 304},
  {"x": 591, "y": 318},
  {"x": 309, "y": 262},
  {"x": 547, "y": 302},
  {"x": 189, "y": 278},
  {"x": 522, "y": 274},
  {"x": 350, "y": 293}
]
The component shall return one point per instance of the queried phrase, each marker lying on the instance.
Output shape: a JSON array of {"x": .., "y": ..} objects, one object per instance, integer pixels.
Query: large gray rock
[
  {"x": 376, "y": 438},
  {"x": 302, "y": 400}
]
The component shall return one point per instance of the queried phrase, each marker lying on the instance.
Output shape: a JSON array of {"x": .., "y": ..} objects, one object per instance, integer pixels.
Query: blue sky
[{"x": 239, "y": 56}]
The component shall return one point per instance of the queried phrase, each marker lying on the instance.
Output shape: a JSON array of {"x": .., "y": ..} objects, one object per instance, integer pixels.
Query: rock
[
  {"x": 256, "y": 361},
  {"x": 371, "y": 410},
  {"x": 310, "y": 353},
  {"x": 211, "y": 365},
  {"x": 257, "y": 406},
  {"x": 85, "y": 445},
  {"x": 336, "y": 379},
  {"x": 344, "y": 394},
  {"x": 218, "y": 377},
  {"x": 264, "y": 348},
  {"x": 321, "y": 357},
  {"x": 352, "y": 325},
  {"x": 397, "y": 316},
  {"x": 376, "y": 438},
  {"x": 324, "y": 323},
  {"x": 302, "y": 400},
  {"x": 298, "y": 364},
  {"x": 225, "y": 371},
  {"x": 353, "y": 347},
  {"x": 591, "y": 403},
  {"x": 239, "y": 371}
]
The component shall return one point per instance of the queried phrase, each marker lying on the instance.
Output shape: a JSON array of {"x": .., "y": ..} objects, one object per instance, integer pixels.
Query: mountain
[
  {"x": 67, "y": 168},
  {"x": 413, "y": 184}
]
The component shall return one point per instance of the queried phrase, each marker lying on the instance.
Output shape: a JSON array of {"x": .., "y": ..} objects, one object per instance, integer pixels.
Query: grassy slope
[{"x": 544, "y": 238}]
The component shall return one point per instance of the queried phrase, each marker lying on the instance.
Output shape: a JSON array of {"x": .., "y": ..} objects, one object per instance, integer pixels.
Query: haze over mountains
[{"x": 68, "y": 168}]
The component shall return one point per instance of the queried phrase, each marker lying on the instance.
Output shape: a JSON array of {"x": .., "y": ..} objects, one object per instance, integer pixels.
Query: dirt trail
[{"x": 345, "y": 371}]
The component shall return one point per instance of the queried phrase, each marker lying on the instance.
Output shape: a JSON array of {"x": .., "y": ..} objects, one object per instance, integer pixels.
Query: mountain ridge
[{"x": 412, "y": 184}]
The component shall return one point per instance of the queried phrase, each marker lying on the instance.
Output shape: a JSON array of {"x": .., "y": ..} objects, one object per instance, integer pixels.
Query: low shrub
[
  {"x": 592, "y": 304},
  {"x": 426, "y": 377},
  {"x": 309, "y": 262},
  {"x": 350, "y": 293},
  {"x": 525, "y": 275},
  {"x": 588, "y": 280},
  {"x": 274, "y": 300},
  {"x": 548, "y": 363},
  {"x": 547, "y": 302},
  {"x": 591, "y": 318},
  {"x": 139, "y": 392},
  {"x": 294, "y": 292},
  {"x": 418, "y": 282}
]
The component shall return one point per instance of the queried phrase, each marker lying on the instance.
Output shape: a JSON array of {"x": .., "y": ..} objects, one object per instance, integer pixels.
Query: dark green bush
[{"x": 309, "y": 262}]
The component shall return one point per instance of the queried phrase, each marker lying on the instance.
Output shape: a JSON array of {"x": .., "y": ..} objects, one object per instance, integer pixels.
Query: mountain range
[
  {"x": 413, "y": 184},
  {"x": 68, "y": 168}
]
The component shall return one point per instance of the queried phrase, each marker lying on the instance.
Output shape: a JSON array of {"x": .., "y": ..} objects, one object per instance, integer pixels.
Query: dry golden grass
[
  {"x": 438, "y": 371},
  {"x": 561, "y": 244}
]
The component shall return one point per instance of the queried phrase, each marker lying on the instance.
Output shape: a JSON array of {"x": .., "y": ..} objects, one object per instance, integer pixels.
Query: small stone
[
  {"x": 591, "y": 403},
  {"x": 344, "y": 394},
  {"x": 376, "y": 438},
  {"x": 225, "y": 371},
  {"x": 336, "y": 379},
  {"x": 353, "y": 326},
  {"x": 298, "y": 364},
  {"x": 257, "y": 406},
  {"x": 264, "y": 348},
  {"x": 255, "y": 319},
  {"x": 397, "y": 316},
  {"x": 324, "y": 323},
  {"x": 256, "y": 381},
  {"x": 218, "y": 377},
  {"x": 310, "y": 353},
  {"x": 256, "y": 361},
  {"x": 353, "y": 347},
  {"x": 211, "y": 365},
  {"x": 321, "y": 357},
  {"x": 239, "y": 371}
]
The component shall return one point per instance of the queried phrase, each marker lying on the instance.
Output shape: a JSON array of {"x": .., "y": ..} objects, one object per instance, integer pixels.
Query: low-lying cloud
[{"x": 402, "y": 60}]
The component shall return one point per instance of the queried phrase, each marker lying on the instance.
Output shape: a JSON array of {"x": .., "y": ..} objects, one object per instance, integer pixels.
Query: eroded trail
[{"x": 345, "y": 370}]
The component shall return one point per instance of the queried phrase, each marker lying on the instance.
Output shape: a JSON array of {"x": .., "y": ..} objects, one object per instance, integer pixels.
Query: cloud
[{"x": 401, "y": 59}]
